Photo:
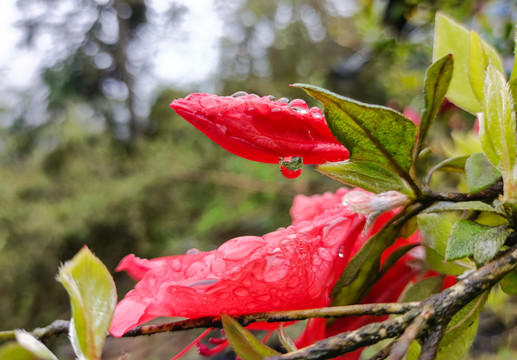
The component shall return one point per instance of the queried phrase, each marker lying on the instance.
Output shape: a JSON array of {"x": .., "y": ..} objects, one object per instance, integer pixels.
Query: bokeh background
[{"x": 91, "y": 153}]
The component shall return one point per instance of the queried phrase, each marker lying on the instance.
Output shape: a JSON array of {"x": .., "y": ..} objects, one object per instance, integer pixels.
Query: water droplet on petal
[
  {"x": 299, "y": 105},
  {"x": 176, "y": 265},
  {"x": 239, "y": 94},
  {"x": 264, "y": 297},
  {"x": 251, "y": 108},
  {"x": 195, "y": 268},
  {"x": 193, "y": 251},
  {"x": 241, "y": 291},
  {"x": 315, "y": 112},
  {"x": 218, "y": 266},
  {"x": 341, "y": 251},
  {"x": 290, "y": 174},
  {"x": 268, "y": 98},
  {"x": 255, "y": 96},
  {"x": 274, "y": 110},
  {"x": 283, "y": 100}
]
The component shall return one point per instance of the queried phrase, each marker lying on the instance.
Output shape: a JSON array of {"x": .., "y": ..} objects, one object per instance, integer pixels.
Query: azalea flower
[
  {"x": 263, "y": 130},
  {"x": 287, "y": 269}
]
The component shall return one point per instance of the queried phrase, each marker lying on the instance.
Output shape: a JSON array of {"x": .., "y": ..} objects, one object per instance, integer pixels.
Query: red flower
[
  {"x": 263, "y": 130},
  {"x": 291, "y": 268}
]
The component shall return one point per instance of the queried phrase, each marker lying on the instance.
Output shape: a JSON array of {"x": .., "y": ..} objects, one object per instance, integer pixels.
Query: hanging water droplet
[
  {"x": 290, "y": 174},
  {"x": 239, "y": 94},
  {"x": 283, "y": 100},
  {"x": 291, "y": 166}
]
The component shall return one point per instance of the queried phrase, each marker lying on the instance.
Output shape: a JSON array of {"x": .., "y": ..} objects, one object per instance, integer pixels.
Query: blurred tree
[{"x": 93, "y": 55}]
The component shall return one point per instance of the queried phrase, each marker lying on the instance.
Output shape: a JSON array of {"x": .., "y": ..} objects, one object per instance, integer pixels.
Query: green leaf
[
  {"x": 454, "y": 164},
  {"x": 509, "y": 283},
  {"x": 489, "y": 242},
  {"x": 435, "y": 230},
  {"x": 463, "y": 206},
  {"x": 364, "y": 267},
  {"x": 497, "y": 124},
  {"x": 93, "y": 298},
  {"x": 451, "y": 38},
  {"x": 366, "y": 175},
  {"x": 247, "y": 346},
  {"x": 371, "y": 133},
  {"x": 424, "y": 288},
  {"x": 33, "y": 345},
  {"x": 436, "y": 262},
  {"x": 284, "y": 338},
  {"x": 14, "y": 351},
  {"x": 480, "y": 173},
  {"x": 437, "y": 79},
  {"x": 478, "y": 62},
  {"x": 462, "y": 239},
  {"x": 460, "y": 345},
  {"x": 464, "y": 319},
  {"x": 514, "y": 68}
]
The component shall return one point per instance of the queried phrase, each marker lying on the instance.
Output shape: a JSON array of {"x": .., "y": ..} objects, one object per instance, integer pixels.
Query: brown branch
[{"x": 352, "y": 340}]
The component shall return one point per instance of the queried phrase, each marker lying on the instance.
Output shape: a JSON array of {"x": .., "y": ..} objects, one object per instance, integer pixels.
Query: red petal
[{"x": 262, "y": 130}]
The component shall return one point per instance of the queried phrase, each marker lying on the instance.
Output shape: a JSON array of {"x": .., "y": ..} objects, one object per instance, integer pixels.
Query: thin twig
[
  {"x": 431, "y": 343},
  {"x": 279, "y": 316},
  {"x": 401, "y": 346}
]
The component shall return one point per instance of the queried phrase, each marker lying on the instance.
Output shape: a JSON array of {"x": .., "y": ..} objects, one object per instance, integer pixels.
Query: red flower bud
[{"x": 260, "y": 129}]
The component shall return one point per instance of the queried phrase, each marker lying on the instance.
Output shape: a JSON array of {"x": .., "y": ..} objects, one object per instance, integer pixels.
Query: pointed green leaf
[
  {"x": 30, "y": 343},
  {"x": 509, "y": 283},
  {"x": 463, "y": 237},
  {"x": 424, "y": 288},
  {"x": 463, "y": 206},
  {"x": 284, "y": 338},
  {"x": 497, "y": 124},
  {"x": 366, "y": 175},
  {"x": 480, "y": 173},
  {"x": 364, "y": 267},
  {"x": 452, "y": 38},
  {"x": 478, "y": 62},
  {"x": 489, "y": 242},
  {"x": 371, "y": 133},
  {"x": 437, "y": 80},
  {"x": 245, "y": 345},
  {"x": 93, "y": 298}
]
